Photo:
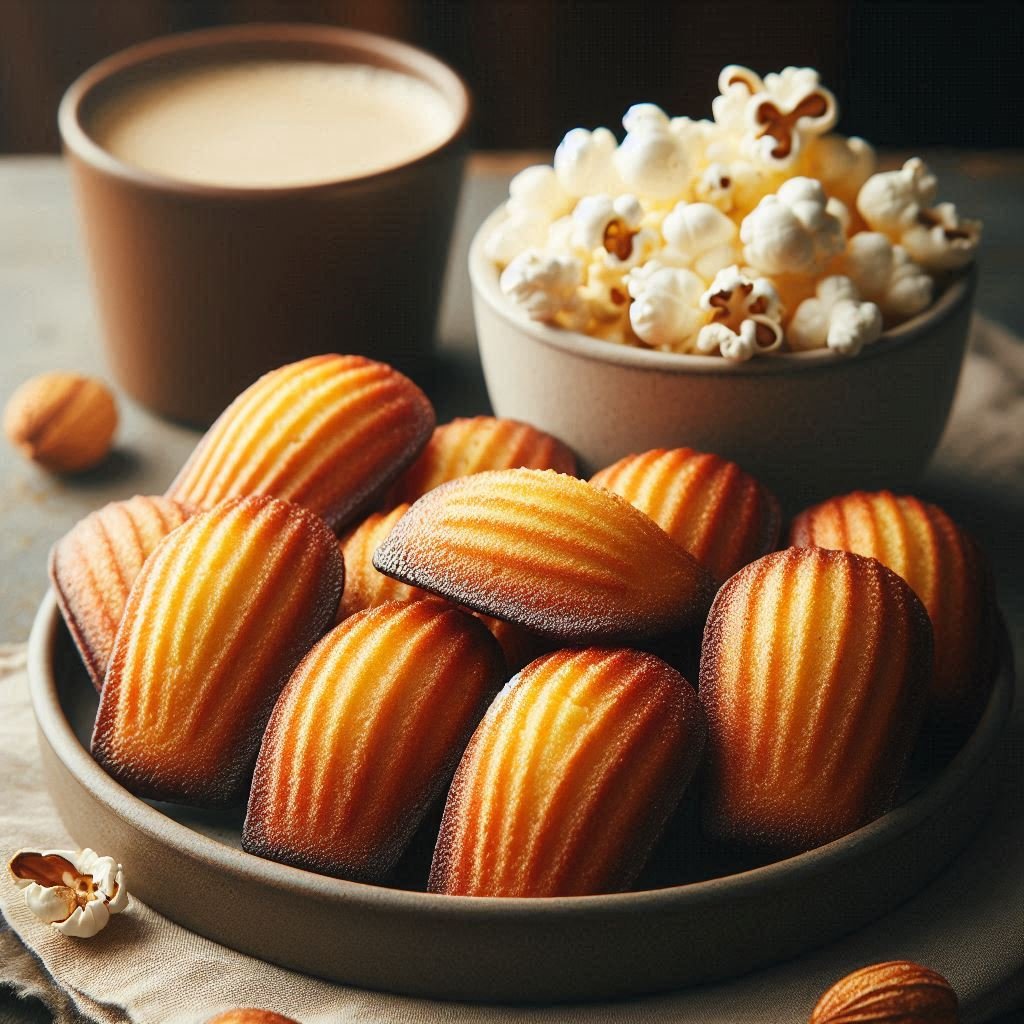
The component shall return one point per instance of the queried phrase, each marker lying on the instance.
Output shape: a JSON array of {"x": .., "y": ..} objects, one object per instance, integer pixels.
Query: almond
[
  {"x": 467, "y": 446},
  {"x": 705, "y": 503},
  {"x": 216, "y": 622},
  {"x": 94, "y": 565},
  {"x": 366, "y": 734},
  {"x": 63, "y": 421},
  {"x": 330, "y": 432},
  {"x": 551, "y": 553},
  {"x": 897, "y": 992},
  {"x": 813, "y": 677},
  {"x": 943, "y": 565},
  {"x": 570, "y": 777}
]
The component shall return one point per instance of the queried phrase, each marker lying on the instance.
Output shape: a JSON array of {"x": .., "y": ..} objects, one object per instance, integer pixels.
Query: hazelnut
[
  {"x": 249, "y": 1015},
  {"x": 896, "y": 992},
  {"x": 63, "y": 421}
]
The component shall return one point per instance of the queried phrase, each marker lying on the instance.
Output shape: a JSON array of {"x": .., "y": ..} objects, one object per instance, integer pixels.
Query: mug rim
[{"x": 398, "y": 55}]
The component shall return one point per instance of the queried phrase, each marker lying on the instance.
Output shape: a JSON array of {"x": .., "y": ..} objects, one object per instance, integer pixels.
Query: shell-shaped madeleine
[
  {"x": 365, "y": 587},
  {"x": 366, "y": 734},
  {"x": 549, "y": 552},
  {"x": 895, "y": 992},
  {"x": 476, "y": 444},
  {"x": 217, "y": 620},
  {"x": 813, "y": 677},
  {"x": 329, "y": 432},
  {"x": 943, "y": 566},
  {"x": 570, "y": 777},
  {"x": 705, "y": 503},
  {"x": 93, "y": 566}
]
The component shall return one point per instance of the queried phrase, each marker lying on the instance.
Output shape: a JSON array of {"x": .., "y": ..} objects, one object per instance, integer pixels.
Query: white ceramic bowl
[{"x": 809, "y": 424}]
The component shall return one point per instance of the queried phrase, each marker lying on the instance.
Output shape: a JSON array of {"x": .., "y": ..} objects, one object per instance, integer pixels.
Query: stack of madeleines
[{"x": 342, "y": 614}]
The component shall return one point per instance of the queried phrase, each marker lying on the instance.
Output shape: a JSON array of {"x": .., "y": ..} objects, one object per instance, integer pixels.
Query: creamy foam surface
[{"x": 273, "y": 123}]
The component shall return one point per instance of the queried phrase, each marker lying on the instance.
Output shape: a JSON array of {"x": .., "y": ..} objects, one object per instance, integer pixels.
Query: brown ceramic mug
[{"x": 202, "y": 288}]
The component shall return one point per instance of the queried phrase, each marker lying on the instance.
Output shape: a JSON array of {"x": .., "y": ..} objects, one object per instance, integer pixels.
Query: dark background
[{"x": 906, "y": 74}]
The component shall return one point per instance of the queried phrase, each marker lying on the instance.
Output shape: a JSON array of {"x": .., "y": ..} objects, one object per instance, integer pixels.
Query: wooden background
[{"x": 907, "y": 74}]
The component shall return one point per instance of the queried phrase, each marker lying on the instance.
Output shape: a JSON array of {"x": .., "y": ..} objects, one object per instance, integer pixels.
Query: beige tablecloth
[{"x": 969, "y": 924}]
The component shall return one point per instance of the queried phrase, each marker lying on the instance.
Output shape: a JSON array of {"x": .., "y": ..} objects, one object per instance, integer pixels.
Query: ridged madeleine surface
[
  {"x": 217, "y": 620},
  {"x": 705, "y": 503},
  {"x": 551, "y": 553},
  {"x": 919, "y": 542},
  {"x": 329, "y": 432},
  {"x": 365, "y": 587},
  {"x": 570, "y": 777},
  {"x": 813, "y": 677},
  {"x": 93, "y": 567},
  {"x": 366, "y": 734},
  {"x": 895, "y": 992},
  {"x": 467, "y": 446}
]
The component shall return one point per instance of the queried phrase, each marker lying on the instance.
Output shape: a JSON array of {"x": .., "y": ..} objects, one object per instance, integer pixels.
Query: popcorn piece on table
[
  {"x": 885, "y": 275},
  {"x": 745, "y": 316},
  {"x": 612, "y": 230},
  {"x": 792, "y": 231},
  {"x": 665, "y": 312},
  {"x": 776, "y": 116},
  {"x": 835, "y": 318},
  {"x": 701, "y": 236},
  {"x": 652, "y": 160},
  {"x": 899, "y": 205},
  {"x": 544, "y": 285},
  {"x": 76, "y": 891},
  {"x": 536, "y": 200},
  {"x": 584, "y": 163}
]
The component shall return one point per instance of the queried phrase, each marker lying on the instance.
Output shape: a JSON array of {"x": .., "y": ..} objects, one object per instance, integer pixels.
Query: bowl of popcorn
[{"x": 750, "y": 284}]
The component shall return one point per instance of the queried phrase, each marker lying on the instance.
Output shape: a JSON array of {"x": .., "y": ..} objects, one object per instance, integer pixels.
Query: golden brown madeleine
[
  {"x": 942, "y": 564},
  {"x": 366, "y": 734},
  {"x": 217, "y": 620},
  {"x": 570, "y": 777},
  {"x": 365, "y": 587},
  {"x": 896, "y": 992},
  {"x": 549, "y": 552},
  {"x": 330, "y": 432},
  {"x": 467, "y": 446},
  {"x": 813, "y": 678},
  {"x": 705, "y": 503},
  {"x": 93, "y": 567}
]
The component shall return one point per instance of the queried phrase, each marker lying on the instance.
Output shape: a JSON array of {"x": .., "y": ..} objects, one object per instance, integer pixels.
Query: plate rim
[{"x": 187, "y": 842}]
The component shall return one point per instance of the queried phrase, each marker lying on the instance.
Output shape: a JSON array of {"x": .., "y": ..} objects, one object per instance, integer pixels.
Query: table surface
[{"x": 48, "y": 321}]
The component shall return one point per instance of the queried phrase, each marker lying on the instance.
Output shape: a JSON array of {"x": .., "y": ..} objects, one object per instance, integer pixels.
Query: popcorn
[
  {"x": 583, "y": 163},
  {"x": 802, "y": 240},
  {"x": 613, "y": 226},
  {"x": 745, "y": 316},
  {"x": 835, "y": 318},
  {"x": 792, "y": 232},
  {"x": 777, "y": 116},
  {"x": 75, "y": 891},
  {"x": 543, "y": 285},
  {"x": 899, "y": 205},
  {"x": 665, "y": 312},
  {"x": 885, "y": 275},
  {"x": 652, "y": 160}
]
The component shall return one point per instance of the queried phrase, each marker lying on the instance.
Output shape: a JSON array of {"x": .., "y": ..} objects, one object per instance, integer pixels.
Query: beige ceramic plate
[{"x": 187, "y": 865}]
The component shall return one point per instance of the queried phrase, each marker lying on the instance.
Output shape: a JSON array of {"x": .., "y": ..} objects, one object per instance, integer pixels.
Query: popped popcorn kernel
[{"x": 805, "y": 243}]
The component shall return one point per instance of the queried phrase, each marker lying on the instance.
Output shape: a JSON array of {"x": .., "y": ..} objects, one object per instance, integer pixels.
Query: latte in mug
[{"x": 272, "y": 123}]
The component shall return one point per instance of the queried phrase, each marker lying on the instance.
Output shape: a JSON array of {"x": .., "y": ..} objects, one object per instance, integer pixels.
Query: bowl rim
[
  {"x": 484, "y": 276},
  {"x": 197, "y": 44},
  {"x": 236, "y": 863}
]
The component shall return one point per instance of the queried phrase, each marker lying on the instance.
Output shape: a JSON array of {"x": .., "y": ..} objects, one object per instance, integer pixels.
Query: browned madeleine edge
[
  {"x": 490, "y": 667},
  {"x": 223, "y": 791}
]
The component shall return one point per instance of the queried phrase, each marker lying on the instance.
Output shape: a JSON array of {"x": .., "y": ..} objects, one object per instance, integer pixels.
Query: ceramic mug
[{"x": 203, "y": 288}]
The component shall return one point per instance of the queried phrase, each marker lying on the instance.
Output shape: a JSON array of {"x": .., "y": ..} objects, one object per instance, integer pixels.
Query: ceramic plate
[{"x": 187, "y": 865}]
